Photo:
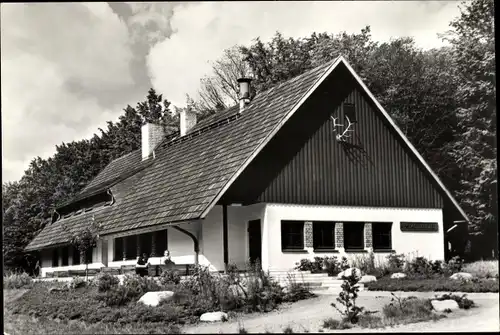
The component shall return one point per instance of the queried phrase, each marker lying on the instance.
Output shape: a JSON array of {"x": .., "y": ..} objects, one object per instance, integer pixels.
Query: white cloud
[
  {"x": 203, "y": 30},
  {"x": 52, "y": 56}
]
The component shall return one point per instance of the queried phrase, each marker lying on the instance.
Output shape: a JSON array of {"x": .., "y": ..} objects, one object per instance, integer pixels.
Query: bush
[
  {"x": 170, "y": 276},
  {"x": 366, "y": 263},
  {"x": 370, "y": 321},
  {"x": 408, "y": 310},
  {"x": 432, "y": 285},
  {"x": 141, "y": 285},
  {"x": 482, "y": 269},
  {"x": 331, "y": 265},
  {"x": 395, "y": 262},
  {"x": 455, "y": 264},
  {"x": 77, "y": 282},
  {"x": 462, "y": 301},
  {"x": 106, "y": 281},
  {"x": 331, "y": 323},
  {"x": 17, "y": 281},
  {"x": 326, "y": 264},
  {"x": 344, "y": 264}
]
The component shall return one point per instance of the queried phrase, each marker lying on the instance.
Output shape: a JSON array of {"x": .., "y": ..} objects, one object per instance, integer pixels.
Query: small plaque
[{"x": 420, "y": 226}]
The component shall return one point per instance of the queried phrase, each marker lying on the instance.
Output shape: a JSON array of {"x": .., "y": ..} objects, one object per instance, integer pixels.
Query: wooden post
[{"x": 224, "y": 236}]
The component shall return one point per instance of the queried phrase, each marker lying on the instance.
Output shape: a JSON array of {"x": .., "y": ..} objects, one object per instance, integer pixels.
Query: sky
[{"x": 67, "y": 68}]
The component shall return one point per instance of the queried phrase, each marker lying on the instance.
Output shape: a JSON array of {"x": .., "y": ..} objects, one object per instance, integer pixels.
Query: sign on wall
[{"x": 420, "y": 226}]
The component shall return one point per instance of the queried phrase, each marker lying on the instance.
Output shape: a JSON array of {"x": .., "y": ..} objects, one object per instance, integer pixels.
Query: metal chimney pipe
[{"x": 244, "y": 92}]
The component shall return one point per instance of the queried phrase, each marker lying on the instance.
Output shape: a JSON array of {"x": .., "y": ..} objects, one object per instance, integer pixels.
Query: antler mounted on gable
[{"x": 342, "y": 137}]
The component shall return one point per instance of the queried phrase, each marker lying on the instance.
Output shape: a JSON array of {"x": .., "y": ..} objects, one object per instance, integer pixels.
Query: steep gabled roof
[{"x": 190, "y": 174}]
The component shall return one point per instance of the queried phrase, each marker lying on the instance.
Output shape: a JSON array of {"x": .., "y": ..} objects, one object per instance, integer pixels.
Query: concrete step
[
  {"x": 285, "y": 272},
  {"x": 308, "y": 278}
]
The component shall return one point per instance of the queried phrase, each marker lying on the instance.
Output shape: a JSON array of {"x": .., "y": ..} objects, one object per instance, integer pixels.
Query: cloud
[
  {"x": 202, "y": 30},
  {"x": 65, "y": 70}
]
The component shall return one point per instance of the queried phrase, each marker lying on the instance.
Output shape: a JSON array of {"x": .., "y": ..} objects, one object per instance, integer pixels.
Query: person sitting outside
[
  {"x": 166, "y": 260},
  {"x": 141, "y": 268}
]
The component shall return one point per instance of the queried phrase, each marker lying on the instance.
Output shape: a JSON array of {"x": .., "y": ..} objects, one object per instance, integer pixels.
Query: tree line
[{"x": 443, "y": 99}]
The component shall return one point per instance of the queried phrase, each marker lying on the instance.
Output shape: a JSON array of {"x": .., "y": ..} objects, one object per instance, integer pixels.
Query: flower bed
[{"x": 433, "y": 285}]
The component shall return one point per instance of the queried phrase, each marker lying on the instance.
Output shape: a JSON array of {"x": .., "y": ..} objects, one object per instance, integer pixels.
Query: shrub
[
  {"x": 365, "y": 263},
  {"x": 326, "y": 264},
  {"x": 462, "y": 301},
  {"x": 331, "y": 323},
  {"x": 17, "y": 281},
  {"x": 455, "y": 264},
  {"x": 395, "y": 262},
  {"x": 106, "y": 281},
  {"x": 170, "y": 276},
  {"x": 344, "y": 264},
  {"x": 331, "y": 265},
  {"x": 370, "y": 321},
  {"x": 482, "y": 269},
  {"x": 76, "y": 283},
  {"x": 141, "y": 285},
  {"x": 408, "y": 310},
  {"x": 433, "y": 285},
  {"x": 304, "y": 265},
  {"x": 288, "y": 330},
  {"x": 296, "y": 291},
  {"x": 347, "y": 298}
]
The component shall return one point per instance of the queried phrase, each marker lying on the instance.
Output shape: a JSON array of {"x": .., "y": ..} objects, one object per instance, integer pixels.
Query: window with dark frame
[
  {"x": 65, "y": 256},
  {"x": 146, "y": 241},
  {"x": 381, "y": 232},
  {"x": 88, "y": 256},
  {"x": 76, "y": 255},
  {"x": 118, "y": 249},
  {"x": 55, "y": 257},
  {"x": 354, "y": 237},
  {"x": 292, "y": 235},
  {"x": 131, "y": 247},
  {"x": 161, "y": 241},
  {"x": 323, "y": 235}
]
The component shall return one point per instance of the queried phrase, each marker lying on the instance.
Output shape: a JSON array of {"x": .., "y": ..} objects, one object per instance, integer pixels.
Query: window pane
[
  {"x": 292, "y": 234},
  {"x": 146, "y": 241},
  {"x": 354, "y": 235},
  {"x": 324, "y": 235},
  {"x": 382, "y": 235},
  {"x": 131, "y": 246},
  {"x": 65, "y": 256},
  {"x": 161, "y": 242},
  {"x": 118, "y": 249},
  {"x": 88, "y": 255},
  {"x": 55, "y": 257},
  {"x": 76, "y": 256}
]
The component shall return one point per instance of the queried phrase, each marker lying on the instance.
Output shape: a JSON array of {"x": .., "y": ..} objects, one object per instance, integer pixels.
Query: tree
[
  {"x": 84, "y": 239},
  {"x": 473, "y": 48}
]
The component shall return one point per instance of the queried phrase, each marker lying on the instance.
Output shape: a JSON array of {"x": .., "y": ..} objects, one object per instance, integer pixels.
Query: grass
[
  {"x": 432, "y": 285},
  {"x": 17, "y": 280},
  {"x": 482, "y": 269},
  {"x": 332, "y": 323}
]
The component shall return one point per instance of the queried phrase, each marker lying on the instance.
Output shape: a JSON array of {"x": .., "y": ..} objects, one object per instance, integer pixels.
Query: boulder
[
  {"x": 367, "y": 279},
  {"x": 398, "y": 275},
  {"x": 213, "y": 317},
  {"x": 461, "y": 276},
  {"x": 154, "y": 298},
  {"x": 349, "y": 272},
  {"x": 441, "y": 306}
]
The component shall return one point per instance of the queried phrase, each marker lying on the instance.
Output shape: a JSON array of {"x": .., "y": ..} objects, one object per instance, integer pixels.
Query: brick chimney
[
  {"x": 187, "y": 120},
  {"x": 151, "y": 135},
  {"x": 244, "y": 92}
]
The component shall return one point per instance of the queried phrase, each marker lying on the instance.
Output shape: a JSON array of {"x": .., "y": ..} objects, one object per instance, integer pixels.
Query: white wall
[
  {"x": 427, "y": 244},
  {"x": 212, "y": 241}
]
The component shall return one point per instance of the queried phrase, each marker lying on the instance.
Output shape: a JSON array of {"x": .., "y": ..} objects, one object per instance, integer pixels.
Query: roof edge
[{"x": 329, "y": 70}]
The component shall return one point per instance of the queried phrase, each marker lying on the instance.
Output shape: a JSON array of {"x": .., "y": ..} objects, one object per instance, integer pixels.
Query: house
[{"x": 312, "y": 167}]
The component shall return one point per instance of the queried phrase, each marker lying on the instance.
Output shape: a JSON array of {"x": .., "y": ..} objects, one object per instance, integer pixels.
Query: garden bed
[{"x": 433, "y": 285}]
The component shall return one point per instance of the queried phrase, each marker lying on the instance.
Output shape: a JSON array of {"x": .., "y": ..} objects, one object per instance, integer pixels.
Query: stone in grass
[
  {"x": 349, "y": 272},
  {"x": 154, "y": 298},
  {"x": 398, "y": 275},
  {"x": 367, "y": 279},
  {"x": 444, "y": 305},
  {"x": 461, "y": 276},
  {"x": 214, "y": 317}
]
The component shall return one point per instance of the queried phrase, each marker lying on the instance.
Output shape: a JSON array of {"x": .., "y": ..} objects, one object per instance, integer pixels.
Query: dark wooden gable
[{"x": 305, "y": 164}]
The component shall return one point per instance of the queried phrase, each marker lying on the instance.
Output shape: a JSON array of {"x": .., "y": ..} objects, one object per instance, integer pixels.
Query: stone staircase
[{"x": 320, "y": 283}]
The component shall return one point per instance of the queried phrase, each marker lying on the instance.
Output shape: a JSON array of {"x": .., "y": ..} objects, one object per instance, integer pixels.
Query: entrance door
[{"x": 254, "y": 241}]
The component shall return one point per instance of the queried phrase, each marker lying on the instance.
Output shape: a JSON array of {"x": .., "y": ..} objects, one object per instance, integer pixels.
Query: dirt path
[{"x": 308, "y": 315}]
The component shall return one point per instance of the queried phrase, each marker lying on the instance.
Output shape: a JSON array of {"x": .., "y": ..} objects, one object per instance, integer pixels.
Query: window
[
  {"x": 88, "y": 255},
  {"x": 292, "y": 235},
  {"x": 118, "y": 249},
  {"x": 354, "y": 235},
  {"x": 349, "y": 111},
  {"x": 130, "y": 247},
  {"x": 161, "y": 242},
  {"x": 146, "y": 241},
  {"x": 324, "y": 235},
  {"x": 65, "y": 256},
  {"x": 55, "y": 257},
  {"x": 381, "y": 232},
  {"x": 76, "y": 256}
]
